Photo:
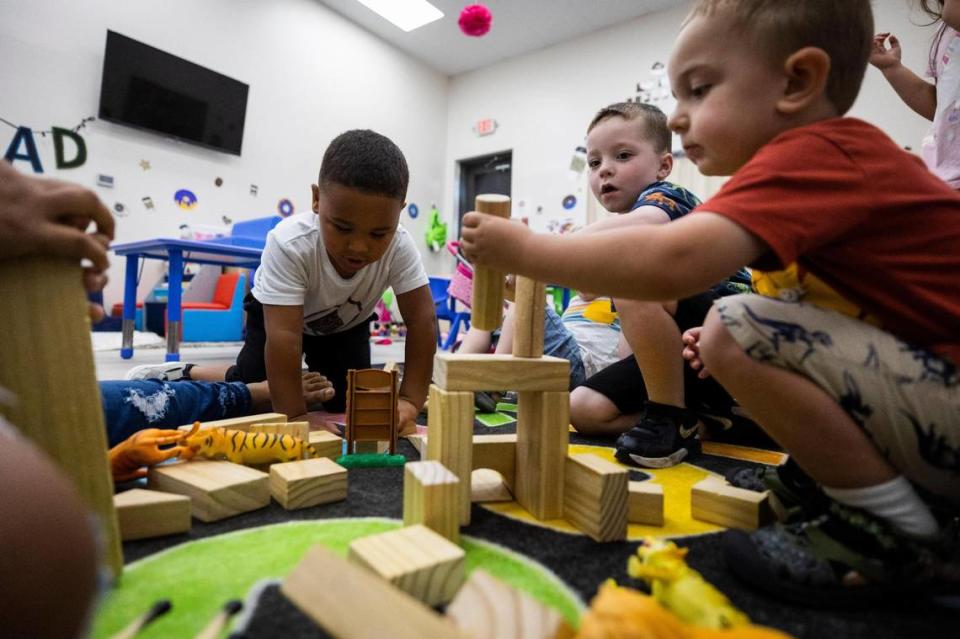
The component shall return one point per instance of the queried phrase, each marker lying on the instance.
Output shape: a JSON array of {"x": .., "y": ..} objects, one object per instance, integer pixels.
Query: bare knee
[{"x": 638, "y": 311}]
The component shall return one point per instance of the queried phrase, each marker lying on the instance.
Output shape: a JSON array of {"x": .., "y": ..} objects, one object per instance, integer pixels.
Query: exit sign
[{"x": 485, "y": 127}]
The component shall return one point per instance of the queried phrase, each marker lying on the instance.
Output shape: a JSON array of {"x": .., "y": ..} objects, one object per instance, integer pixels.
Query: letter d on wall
[{"x": 81, "y": 156}]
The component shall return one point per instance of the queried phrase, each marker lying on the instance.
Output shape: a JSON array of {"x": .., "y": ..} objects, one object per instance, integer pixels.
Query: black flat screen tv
[{"x": 150, "y": 89}]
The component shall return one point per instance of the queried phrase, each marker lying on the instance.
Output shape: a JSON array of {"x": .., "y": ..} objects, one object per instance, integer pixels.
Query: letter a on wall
[
  {"x": 79, "y": 158},
  {"x": 25, "y": 136}
]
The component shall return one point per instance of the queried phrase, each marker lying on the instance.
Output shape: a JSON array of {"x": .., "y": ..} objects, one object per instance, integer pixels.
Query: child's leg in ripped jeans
[{"x": 858, "y": 409}]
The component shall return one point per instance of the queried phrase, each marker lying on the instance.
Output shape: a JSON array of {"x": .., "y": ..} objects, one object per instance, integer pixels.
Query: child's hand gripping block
[{"x": 488, "y": 284}]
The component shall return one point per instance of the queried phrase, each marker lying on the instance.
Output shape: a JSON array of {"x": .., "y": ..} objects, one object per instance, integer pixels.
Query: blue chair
[{"x": 447, "y": 310}]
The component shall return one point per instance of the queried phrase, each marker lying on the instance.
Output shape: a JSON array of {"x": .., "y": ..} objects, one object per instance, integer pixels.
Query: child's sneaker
[
  {"x": 664, "y": 436},
  {"x": 168, "y": 372},
  {"x": 843, "y": 557},
  {"x": 794, "y": 496}
]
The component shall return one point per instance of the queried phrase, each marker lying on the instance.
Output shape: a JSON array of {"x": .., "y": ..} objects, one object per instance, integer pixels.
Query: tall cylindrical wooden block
[
  {"x": 528, "y": 318},
  {"x": 47, "y": 361},
  {"x": 488, "y": 286}
]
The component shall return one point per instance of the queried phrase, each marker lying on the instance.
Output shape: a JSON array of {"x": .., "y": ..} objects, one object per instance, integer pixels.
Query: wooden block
[
  {"x": 300, "y": 430},
  {"x": 241, "y": 423},
  {"x": 150, "y": 513},
  {"x": 488, "y": 284},
  {"x": 487, "y": 608},
  {"x": 47, "y": 364},
  {"x": 497, "y": 452},
  {"x": 645, "y": 503},
  {"x": 487, "y": 485},
  {"x": 349, "y": 602},
  {"x": 456, "y": 372},
  {"x": 542, "y": 439},
  {"x": 326, "y": 444},
  {"x": 431, "y": 496},
  {"x": 717, "y": 502},
  {"x": 595, "y": 497},
  {"x": 528, "y": 318},
  {"x": 450, "y": 439},
  {"x": 415, "y": 559},
  {"x": 217, "y": 489},
  {"x": 308, "y": 482}
]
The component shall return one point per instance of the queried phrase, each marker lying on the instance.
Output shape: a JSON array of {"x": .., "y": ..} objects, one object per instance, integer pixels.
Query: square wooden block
[
  {"x": 595, "y": 497},
  {"x": 326, "y": 444},
  {"x": 308, "y": 482},
  {"x": 414, "y": 559},
  {"x": 217, "y": 489},
  {"x": 151, "y": 513}
]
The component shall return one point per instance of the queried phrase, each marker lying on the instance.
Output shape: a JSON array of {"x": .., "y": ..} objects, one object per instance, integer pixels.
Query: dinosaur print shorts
[{"x": 905, "y": 398}]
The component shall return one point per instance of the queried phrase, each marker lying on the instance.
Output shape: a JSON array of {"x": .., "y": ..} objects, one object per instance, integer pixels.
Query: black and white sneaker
[
  {"x": 664, "y": 436},
  {"x": 168, "y": 372}
]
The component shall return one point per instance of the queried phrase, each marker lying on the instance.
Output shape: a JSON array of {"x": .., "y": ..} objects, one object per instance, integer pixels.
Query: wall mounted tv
[{"x": 150, "y": 89}]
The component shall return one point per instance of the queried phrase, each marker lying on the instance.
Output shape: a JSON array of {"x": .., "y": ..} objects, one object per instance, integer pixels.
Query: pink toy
[
  {"x": 475, "y": 20},
  {"x": 461, "y": 283}
]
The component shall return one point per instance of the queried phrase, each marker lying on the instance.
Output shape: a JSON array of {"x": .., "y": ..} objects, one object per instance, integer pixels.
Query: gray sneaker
[{"x": 168, "y": 372}]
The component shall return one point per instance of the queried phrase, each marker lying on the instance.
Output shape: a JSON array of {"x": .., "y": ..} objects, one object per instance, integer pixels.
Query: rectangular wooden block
[
  {"x": 217, "y": 489},
  {"x": 414, "y": 559},
  {"x": 487, "y": 608},
  {"x": 326, "y": 444},
  {"x": 543, "y": 435},
  {"x": 350, "y": 602},
  {"x": 450, "y": 439},
  {"x": 431, "y": 496},
  {"x": 300, "y": 430},
  {"x": 308, "y": 482},
  {"x": 717, "y": 502},
  {"x": 241, "y": 423},
  {"x": 595, "y": 497},
  {"x": 150, "y": 513},
  {"x": 455, "y": 372},
  {"x": 645, "y": 504},
  {"x": 497, "y": 452}
]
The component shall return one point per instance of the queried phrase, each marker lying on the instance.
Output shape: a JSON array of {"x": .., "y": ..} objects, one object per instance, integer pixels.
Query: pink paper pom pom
[{"x": 475, "y": 20}]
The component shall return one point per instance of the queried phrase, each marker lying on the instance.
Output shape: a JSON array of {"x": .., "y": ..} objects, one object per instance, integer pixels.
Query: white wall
[
  {"x": 312, "y": 75},
  {"x": 544, "y": 100}
]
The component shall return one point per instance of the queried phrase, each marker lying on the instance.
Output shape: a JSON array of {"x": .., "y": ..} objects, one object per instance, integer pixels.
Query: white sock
[{"x": 895, "y": 501}]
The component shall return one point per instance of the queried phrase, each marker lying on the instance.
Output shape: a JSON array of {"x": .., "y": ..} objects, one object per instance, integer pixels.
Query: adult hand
[
  {"x": 42, "y": 216},
  {"x": 493, "y": 241},
  {"x": 691, "y": 351},
  {"x": 883, "y": 57}
]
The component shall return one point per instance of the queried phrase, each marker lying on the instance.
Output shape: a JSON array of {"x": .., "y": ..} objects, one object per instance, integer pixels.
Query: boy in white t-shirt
[{"x": 321, "y": 275}]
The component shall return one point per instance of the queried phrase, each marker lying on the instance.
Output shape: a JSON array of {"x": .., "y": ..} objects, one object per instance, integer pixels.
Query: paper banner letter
[
  {"x": 79, "y": 158},
  {"x": 24, "y": 136}
]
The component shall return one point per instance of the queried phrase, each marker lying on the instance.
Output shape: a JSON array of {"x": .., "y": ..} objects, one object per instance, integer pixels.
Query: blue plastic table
[{"x": 226, "y": 251}]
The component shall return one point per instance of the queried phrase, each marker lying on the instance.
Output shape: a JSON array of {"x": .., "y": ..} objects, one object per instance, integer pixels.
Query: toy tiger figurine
[{"x": 239, "y": 447}]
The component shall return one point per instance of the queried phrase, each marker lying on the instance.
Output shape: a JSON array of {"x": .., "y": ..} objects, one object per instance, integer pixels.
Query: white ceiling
[{"x": 519, "y": 26}]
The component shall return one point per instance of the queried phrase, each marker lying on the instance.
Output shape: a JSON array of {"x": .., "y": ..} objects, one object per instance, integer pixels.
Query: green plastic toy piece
[{"x": 371, "y": 460}]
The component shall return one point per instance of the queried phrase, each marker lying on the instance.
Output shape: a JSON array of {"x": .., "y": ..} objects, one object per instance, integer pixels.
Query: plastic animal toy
[
  {"x": 681, "y": 589},
  {"x": 129, "y": 457},
  {"x": 623, "y": 613},
  {"x": 239, "y": 447}
]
